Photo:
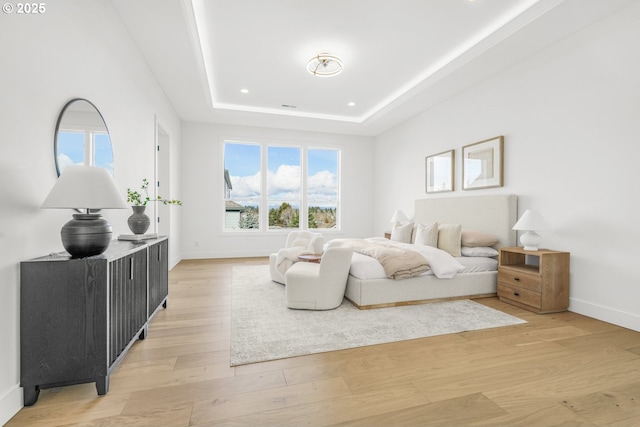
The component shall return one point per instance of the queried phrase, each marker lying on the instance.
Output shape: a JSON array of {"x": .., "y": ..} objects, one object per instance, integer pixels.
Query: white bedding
[{"x": 442, "y": 264}]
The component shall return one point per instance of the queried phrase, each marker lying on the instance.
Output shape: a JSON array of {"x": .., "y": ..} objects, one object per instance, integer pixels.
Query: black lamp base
[{"x": 87, "y": 234}]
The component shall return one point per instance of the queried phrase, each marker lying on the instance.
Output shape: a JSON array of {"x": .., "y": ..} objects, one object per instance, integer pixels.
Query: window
[
  {"x": 283, "y": 187},
  {"x": 103, "y": 153},
  {"x": 70, "y": 149},
  {"x": 80, "y": 147},
  {"x": 300, "y": 187},
  {"x": 242, "y": 167},
  {"x": 322, "y": 188}
]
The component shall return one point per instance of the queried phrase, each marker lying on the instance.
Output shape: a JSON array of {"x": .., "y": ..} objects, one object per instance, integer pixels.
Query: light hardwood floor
[{"x": 558, "y": 369}]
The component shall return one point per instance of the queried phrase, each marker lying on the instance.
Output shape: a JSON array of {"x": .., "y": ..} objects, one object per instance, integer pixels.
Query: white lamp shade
[
  {"x": 399, "y": 216},
  {"x": 84, "y": 187},
  {"x": 531, "y": 220}
]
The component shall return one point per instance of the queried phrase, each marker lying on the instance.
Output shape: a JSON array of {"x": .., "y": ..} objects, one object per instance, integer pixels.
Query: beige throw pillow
[
  {"x": 427, "y": 235},
  {"x": 401, "y": 232},
  {"x": 472, "y": 239},
  {"x": 449, "y": 238}
]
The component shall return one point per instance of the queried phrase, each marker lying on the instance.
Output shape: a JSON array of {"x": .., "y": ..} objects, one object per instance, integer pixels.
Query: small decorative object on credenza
[
  {"x": 531, "y": 221},
  {"x": 139, "y": 222},
  {"x": 88, "y": 188},
  {"x": 138, "y": 237}
]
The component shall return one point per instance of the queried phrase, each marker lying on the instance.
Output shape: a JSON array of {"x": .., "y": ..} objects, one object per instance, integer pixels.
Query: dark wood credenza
[{"x": 78, "y": 317}]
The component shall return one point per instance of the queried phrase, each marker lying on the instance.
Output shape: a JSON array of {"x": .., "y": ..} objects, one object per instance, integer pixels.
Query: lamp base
[
  {"x": 87, "y": 234},
  {"x": 530, "y": 240}
]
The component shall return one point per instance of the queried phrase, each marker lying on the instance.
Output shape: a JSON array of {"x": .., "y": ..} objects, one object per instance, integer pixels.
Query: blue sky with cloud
[{"x": 284, "y": 172}]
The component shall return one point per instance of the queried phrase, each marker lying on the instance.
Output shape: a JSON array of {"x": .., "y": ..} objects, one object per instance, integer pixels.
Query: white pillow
[
  {"x": 427, "y": 235},
  {"x": 485, "y": 251},
  {"x": 449, "y": 238},
  {"x": 401, "y": 232}
]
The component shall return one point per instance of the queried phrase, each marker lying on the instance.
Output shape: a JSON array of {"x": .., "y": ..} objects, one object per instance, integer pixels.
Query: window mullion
[
  {"x": 264, "y": 197},
  {"x": 88, "y": 148},
  {"x": 304, "y": 211}
]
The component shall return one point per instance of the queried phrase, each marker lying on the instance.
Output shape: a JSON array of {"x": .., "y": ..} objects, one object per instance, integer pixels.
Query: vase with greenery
[{"x": 139, "y": 222}]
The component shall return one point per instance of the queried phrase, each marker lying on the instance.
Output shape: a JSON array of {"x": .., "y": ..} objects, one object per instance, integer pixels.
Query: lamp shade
[
  {"x": 399, "y": 216},
  {"x": 84, "y": 187},
  {"x": 531, "y": 220}
]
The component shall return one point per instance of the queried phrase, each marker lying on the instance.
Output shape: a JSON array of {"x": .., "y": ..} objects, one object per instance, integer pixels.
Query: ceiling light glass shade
[
  {"x": 531, "y": 221},
  {"x": 85, "y": 187},
  {"x": 324, "y": 65}
]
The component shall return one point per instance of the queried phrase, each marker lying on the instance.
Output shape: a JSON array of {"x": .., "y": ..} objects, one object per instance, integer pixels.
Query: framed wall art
[
  {"x": 439, "y": 172},
  {"x": 482, "y": 164}
]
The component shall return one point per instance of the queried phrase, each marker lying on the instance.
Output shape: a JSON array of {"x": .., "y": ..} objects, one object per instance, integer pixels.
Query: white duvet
[{"x": 443, "y": 265}]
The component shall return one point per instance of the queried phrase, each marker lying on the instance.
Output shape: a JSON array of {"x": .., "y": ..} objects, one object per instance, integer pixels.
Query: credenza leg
[
  {"x": 144, "y": 332},
  {"x": 102, "y": 385},
  {"x": 31, "y": 394}
]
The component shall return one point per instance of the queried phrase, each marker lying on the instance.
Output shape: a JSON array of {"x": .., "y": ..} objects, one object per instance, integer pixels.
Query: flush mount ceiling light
[{"x": 324, "y": 65}]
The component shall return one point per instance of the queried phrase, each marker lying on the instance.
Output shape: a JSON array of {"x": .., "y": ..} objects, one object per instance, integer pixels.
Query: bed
[{"x": 493, "y": 215}]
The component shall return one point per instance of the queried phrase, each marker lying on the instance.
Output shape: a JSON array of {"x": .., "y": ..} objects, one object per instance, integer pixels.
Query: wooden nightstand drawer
[
  {"x": 519, "y": 279},
  {"x": 523, "y": 296}
]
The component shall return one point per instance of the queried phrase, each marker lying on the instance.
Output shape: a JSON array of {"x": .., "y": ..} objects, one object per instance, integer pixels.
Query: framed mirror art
[
  {"x": 482, "y": 164},
  {"x": 81, "y": 137},
  {"x": 439, "y": 172}
]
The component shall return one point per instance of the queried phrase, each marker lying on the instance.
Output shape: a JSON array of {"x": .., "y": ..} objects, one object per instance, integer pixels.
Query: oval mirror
[{"x": 82, "y": 137}]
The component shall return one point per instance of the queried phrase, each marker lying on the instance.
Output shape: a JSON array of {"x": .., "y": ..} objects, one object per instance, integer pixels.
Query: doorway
[{"x": 163, "y": 181}]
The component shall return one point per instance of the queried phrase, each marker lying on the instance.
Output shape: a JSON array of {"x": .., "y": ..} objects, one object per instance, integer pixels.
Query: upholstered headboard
[{"x": 491, "y": 214}]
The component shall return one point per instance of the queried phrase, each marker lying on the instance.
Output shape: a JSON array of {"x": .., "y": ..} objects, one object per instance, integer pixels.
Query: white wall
[
  {"x": 77, "y": 48},
  {"x": 571, "y": 119},
  {"x": 203, "y": 188}
]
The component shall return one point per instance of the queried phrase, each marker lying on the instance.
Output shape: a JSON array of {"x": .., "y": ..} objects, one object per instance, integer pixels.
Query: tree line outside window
[{"x": 280, "y": 187}]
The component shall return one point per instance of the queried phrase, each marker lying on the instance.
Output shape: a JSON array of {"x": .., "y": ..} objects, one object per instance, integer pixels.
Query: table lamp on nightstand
[
  {"x": 398, "y": 216},
  {"x": 531, "y": 221}
]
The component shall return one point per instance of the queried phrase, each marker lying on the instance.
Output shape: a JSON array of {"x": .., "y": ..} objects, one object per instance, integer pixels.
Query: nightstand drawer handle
[
  {"x": 517, "y": 279},
  {"x": 516, "y": 294}
]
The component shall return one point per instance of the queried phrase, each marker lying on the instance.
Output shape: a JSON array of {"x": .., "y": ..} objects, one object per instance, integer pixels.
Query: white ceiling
[{"x": 400, "y": 56}]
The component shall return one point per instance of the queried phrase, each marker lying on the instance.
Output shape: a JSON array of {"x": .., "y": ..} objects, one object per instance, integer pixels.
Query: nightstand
[{"x": 537, "y": 281}]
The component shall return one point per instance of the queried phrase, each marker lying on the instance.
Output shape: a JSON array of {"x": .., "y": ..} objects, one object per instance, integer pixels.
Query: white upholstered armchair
[
  {"x": 298, "y": 243},
  {"x": 321, "y": 286}
]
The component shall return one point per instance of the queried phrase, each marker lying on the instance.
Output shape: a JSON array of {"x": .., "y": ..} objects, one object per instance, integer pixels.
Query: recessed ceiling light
[
  {"x": 324, "y": 65},
  {"x": 351, "y": 104},
  {"x": 244, "y": 90}
]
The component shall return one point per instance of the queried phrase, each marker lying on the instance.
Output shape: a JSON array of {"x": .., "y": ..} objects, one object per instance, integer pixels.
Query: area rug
[{"x": 263, "y": 328}]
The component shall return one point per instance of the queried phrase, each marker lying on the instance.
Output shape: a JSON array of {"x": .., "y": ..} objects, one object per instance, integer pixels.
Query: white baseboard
[
  {"x": 606, "y": 314},
  {"x": 10, "y": 404},
  {"x": 225, "y": 254}
]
